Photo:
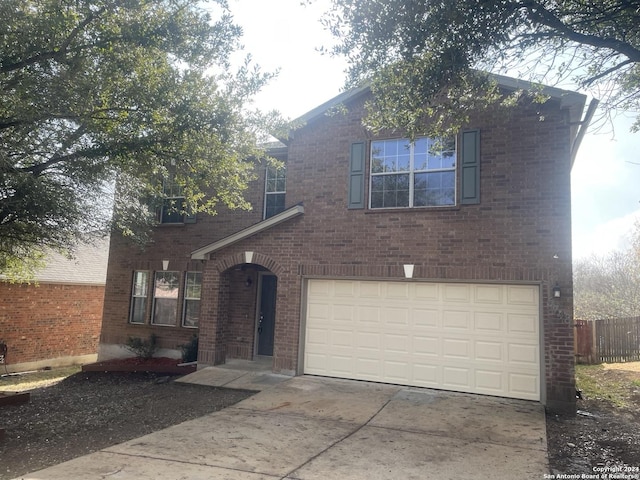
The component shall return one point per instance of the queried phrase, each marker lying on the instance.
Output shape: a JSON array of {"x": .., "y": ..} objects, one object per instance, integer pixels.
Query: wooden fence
[{"x": 607, "y": 341}]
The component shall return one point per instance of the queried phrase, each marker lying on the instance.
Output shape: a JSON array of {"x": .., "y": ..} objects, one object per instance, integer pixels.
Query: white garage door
[{"x": 478, "y": 338}]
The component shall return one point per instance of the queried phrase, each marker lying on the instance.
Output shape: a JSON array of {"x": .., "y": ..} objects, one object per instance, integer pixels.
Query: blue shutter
[
  {"x": 356, "y": 175},
  {"x": 470, "y": 167}
]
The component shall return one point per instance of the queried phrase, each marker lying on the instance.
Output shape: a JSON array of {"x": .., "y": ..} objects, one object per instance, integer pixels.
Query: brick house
[
  {"x": 55, "y": 321},
  {"x": 442, "y": 264}
]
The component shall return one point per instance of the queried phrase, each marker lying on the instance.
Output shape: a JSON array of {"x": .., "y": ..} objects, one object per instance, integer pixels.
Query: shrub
[
  {"x": 144, "y": 349},
  {"x": 190, "y": 350}
]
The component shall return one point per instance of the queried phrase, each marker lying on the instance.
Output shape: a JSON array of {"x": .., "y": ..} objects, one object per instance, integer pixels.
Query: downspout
[{"x": 582, "y": 130}]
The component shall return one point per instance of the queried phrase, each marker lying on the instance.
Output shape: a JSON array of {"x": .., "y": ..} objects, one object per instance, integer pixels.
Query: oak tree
[
  {"x": 134, "y": 91},
  {"x": 425, "y": 57}
]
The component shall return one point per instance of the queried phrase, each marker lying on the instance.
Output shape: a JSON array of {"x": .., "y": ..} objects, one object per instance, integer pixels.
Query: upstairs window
[
  {"x": 408, "y": 175},
  {"x": 275, "y": 190},
  {"x": 173, "y": 205}
]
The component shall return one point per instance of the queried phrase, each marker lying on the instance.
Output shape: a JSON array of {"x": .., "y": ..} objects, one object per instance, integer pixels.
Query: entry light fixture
[
  {"x": 249, "y": 282},
  {"x": 556, "y": 291},
  {"x": 165, "y": 265}
]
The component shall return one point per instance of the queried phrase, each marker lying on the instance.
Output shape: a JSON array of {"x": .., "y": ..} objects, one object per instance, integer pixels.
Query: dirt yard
[
  {"x": 606, "y": 430},
  {"x": 90, "y": 411},
  {"x": 87, "y": 412}
]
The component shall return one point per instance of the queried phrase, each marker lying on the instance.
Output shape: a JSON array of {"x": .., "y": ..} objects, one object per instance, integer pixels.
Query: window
[
  {"x": 165, "y": 298},
  {"x": 275, "y": 191},
  {"x": 192, "y": 292},
  {"x": 172, "y": 210},
  {"x": 419, "y": 174},
  {"x": 139, "y": 293}
]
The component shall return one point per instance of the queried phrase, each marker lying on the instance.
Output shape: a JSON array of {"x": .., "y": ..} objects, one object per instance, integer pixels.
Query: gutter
[{"x": 584, "y": 124}]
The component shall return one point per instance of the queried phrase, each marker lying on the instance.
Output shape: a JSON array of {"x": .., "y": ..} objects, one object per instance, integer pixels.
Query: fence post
[{"x": 594, "y": 342}]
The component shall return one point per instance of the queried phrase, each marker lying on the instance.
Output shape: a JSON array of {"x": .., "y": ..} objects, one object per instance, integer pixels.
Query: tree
[
  {"x": 425, "y": 57},
  {"x": 609, "y": 286},
  {"x": 139, "y": 91}
]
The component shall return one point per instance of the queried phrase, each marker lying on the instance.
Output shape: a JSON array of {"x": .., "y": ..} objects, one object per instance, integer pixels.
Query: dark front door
[{"x": 266, "y": 320}]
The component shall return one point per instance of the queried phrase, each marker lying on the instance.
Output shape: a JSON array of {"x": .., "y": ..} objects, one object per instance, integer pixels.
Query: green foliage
[
  {"x": 420, "y": 55},
  {"x": 144, "y": 349},
  {"x": 96, "y": 91},
  {"x": 190, "y": 350}
]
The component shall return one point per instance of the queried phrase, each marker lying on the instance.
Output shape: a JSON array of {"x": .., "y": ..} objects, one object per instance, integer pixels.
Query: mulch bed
[{"x": 161, "y": 365}]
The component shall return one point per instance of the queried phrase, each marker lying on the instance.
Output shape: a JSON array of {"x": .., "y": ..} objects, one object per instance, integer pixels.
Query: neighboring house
[
  {"x": 55, "y": 321},
  {"x": 437, "y": 264}
]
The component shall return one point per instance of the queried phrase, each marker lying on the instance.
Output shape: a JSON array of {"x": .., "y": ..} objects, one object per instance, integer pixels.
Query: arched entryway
[
  {"x": 243, "y": 300},
  {"x": 247, "y": 312}
]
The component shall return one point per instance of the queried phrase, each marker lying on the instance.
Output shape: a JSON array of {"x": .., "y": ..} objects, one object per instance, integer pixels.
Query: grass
[
  {"x": 611, "y": 385},
  {"x": 41, "y": 378}
]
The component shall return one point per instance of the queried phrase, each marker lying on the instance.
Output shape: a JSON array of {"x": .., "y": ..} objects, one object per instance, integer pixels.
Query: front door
[{"x": 267, "y": 314}]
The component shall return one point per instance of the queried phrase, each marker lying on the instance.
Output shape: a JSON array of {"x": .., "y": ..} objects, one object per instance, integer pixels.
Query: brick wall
[
  {"x": 520, "y": 232},
  {"x": 46, "y": 322}
]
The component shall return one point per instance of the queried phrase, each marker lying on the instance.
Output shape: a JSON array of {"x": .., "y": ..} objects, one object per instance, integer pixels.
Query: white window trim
[
  {"x": 411, "y": 172},
  {"x": 134, "y": 296},
  {"x": 153, "y": 301},
  {"x": 185, "y": 298},
  {"x": 267, "y": 193}
]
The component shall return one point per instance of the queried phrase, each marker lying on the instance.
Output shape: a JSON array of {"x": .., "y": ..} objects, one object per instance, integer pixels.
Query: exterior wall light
[
  {"x": 556, "y": 291},
  {"x": 165, "y": 265}
]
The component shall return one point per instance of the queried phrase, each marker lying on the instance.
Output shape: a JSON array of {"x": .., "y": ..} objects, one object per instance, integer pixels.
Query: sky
[{"x": 285, "y": 35}]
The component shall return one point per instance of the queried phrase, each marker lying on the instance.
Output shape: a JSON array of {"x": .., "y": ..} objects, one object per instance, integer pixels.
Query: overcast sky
[{"x": 284, "y": 35}]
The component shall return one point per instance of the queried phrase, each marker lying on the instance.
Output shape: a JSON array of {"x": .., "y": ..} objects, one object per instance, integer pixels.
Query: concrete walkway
[{"x": 310, "y": 428}]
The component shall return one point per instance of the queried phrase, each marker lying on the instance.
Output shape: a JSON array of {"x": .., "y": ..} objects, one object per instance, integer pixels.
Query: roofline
[
  {"x": 574, "y": 101},
  {"x": 203, "y": 252}
]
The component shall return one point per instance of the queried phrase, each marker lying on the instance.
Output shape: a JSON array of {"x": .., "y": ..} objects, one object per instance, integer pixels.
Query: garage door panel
[
  {"x": 344, "y": 288},
  {"x": 488, "y": 294},
  {"x": 341, "y": 338},
  {"x": 429, "y": 346},
  {"x": 453, "y": 348},
  {"x": 525, "y": 385},
  {"x": 397, "y": 291},
  {"x": 489, "y": 351},
  {"x": 480, "y": 338},
  {"x": 456, "y": 319},
  {"x": 368, "y": 340},
  {"x": 456, "y": 378},
  {"x": 396, "y": 344},
  {"x": 489, "y": 321},
  {"x": 344, "y": 313},
  {"x": 521, "y": 353},
  {"x": 370, "y": 290},
  {"x": 424, "y": 317},
  {"x": 522, "y": 323},
  {"x": 396, "y": 371},
  {"x": 427, "y": 375},
  {"x": 490, "y": 382},
  {"x": 395, "y": 316},
  {"x": 426, "y": 291},
  {"x": 522, "y": 296}
]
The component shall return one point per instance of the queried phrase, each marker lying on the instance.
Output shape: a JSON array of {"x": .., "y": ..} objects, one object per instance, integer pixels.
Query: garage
[{"x": 476, "y": 338}]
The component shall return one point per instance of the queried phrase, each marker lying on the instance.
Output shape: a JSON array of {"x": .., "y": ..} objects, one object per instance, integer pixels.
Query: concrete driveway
[{"x": 311, "y": 428}]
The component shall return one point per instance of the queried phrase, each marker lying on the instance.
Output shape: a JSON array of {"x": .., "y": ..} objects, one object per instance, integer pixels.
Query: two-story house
[{"x": 439, "y": 263}]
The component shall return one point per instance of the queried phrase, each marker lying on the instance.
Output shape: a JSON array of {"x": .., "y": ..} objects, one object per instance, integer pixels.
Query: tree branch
[
  {"x": 540, "y": 15},
  {"x": 590, "y": 80},
  {"x": 60, "y": 52}
]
